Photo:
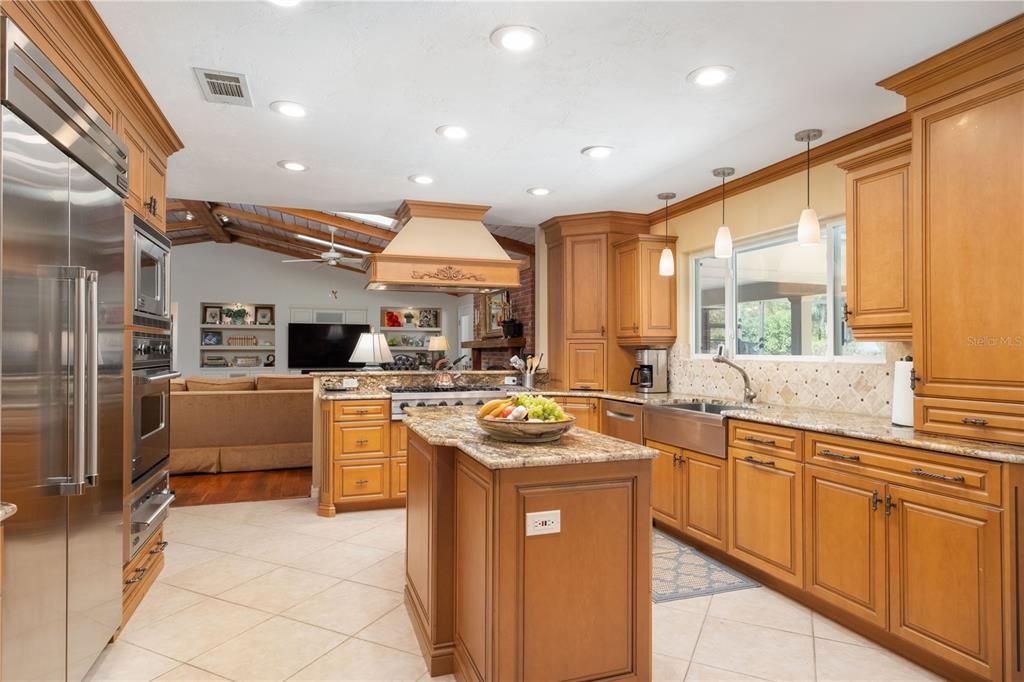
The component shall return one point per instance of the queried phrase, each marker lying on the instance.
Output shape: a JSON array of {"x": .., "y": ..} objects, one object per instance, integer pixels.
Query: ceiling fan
[{"x": 332, "y": 257}]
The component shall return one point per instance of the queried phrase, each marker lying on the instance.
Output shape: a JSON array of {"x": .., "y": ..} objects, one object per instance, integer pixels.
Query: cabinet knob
[
  {"x": 362, "y": 481},
  {"x": 974, "y": 421},
  {"x": 362, "y": 441}
]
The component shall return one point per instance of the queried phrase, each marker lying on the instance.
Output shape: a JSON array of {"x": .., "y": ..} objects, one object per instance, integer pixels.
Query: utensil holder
[{"x": 528, "y": 381}]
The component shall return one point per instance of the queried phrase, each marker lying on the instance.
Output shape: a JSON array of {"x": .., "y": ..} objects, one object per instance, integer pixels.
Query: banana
[
  {"x": 489, "y": 407},
  {"x": 500, "y": 408}
]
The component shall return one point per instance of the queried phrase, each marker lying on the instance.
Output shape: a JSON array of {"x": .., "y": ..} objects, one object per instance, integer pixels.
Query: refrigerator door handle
[
  {"x": 92, "y": 473},
  {"x": 79, "y": 381}
]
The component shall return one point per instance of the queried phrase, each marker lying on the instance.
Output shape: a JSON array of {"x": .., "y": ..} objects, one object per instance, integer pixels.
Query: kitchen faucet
[{"x": 748, "y": 393}]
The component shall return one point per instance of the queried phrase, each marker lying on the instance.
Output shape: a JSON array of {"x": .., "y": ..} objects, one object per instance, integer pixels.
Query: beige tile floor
[{"x": 270, "y": 591}]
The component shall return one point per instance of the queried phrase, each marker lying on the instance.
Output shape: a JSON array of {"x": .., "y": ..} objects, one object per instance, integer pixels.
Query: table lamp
[{"x": 372, "y": 348}]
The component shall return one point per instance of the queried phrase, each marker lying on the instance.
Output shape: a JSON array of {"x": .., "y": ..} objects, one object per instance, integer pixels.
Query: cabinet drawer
[
  {"x": 1003, "y": 422},
  {"x": 140, "y": 573},
  {"x": 964, "y": 477},
  {"x": 765, "y": 439},
  {"x": 362, "y": 479},
  {"x": 361, "y": 410},
  {"x": 361, "y": 440}
]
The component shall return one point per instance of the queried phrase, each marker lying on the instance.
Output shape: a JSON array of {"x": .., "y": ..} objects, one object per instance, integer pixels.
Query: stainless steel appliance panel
[
  {"x": 151, "y": 398},
  {"x": 149, "y": 508},
  {"x": 95, "y": 524},
  {"x": 36, "y": 412},
  {"x": 623, "y": 420},
  {"x": 652, "y": 368},
  {"x": 152, "y": 271}
]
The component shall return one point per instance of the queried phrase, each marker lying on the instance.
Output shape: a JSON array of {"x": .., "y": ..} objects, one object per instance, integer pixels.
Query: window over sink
[{"x": 776, "y": 298}]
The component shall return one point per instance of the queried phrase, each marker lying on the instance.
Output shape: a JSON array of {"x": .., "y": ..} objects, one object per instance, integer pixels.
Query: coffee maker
[{"x": 651, "y": 372}]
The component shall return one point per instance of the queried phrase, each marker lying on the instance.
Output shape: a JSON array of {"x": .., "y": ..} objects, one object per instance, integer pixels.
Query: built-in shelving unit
[
  {"x": 254, "y": 331},
  {"x": 409, "y": 330}
]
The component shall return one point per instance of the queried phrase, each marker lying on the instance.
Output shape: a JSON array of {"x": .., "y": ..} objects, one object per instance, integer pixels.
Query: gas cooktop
[
  {"x": 437, "y": 396},
  {"x": 442, "y": 389}
]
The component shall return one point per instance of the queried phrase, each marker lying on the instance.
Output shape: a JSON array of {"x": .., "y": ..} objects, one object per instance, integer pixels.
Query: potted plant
[{"x": 237, "y": 315}]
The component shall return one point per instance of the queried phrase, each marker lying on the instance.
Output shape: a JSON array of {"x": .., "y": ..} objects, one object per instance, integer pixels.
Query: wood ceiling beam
[
  {"x": 183, "y": 225},
  {"x": 293, "y": 228},
  {"x": 204, "y": 218},
  {"x": 514, "y": 245},
  {"x": 185, "y": 241},
  {"x": 280, "y": 248},
  {"x": 174, "y": 205},
  {"x": 337, "y": 221}
]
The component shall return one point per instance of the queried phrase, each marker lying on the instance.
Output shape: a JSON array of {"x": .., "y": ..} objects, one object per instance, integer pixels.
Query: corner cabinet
[
  {"x": 645, "y": 301},
  {"x": 877, "y": 243},
  {"x": 967, "y": 222},
  {"x": 585, "y": 346}
]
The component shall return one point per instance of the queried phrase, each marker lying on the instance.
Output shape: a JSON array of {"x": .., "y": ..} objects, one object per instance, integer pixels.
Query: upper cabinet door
[
  {"x": 137, "y": 166},
  {"x": 968, "y": 222},
  {"x": 877, "y": 248},
  {"x": 156, "y": 190},
  {"x": 627, "y": 289},
  {"x": 645, "y": 301},
  {"x": 586, "y": 290},
  {"x": 657, "y": 294}
]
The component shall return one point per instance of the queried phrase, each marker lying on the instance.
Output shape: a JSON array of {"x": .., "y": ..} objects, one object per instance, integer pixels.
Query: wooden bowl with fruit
[{"x": 524, "y": 418}]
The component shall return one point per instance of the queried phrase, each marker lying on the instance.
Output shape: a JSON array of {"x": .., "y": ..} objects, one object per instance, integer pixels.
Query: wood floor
[{"x": 242, "y": 486}]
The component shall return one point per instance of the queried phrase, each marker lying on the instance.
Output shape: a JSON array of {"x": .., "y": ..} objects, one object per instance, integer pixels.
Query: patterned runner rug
[{"x": 681, "y": 572}]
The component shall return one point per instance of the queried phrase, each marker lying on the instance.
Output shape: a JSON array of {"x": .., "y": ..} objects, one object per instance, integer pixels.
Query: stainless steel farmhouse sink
[{"x": 697, "y": 426}]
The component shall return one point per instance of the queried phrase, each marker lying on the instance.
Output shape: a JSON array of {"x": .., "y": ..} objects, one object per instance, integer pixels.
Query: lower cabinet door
[
  {"x": 845, "y": 542},
  {"x": 361, "y": 479},
  {"x": 766, "y": 519},
  {"x": 584, "y": 409},
  {"x": 704, "y": 490},
  {"x": 399, "y": 477},
  {"x": 586, "y": 365},
  {"x": 945, "y": 582},
  {"x": 399, "y": 439},
  {"x": 667, "y": 485}
]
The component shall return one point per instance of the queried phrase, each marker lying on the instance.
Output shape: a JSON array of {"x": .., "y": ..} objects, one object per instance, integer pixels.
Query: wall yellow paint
[{"x": 759, "y": 211}]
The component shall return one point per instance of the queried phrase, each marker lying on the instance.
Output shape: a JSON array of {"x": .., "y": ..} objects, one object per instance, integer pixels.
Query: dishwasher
[{"x": 623, "y": 420}]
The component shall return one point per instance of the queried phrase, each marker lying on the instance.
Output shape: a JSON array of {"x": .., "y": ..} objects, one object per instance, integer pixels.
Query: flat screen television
[{"x": 323, "y": 346}]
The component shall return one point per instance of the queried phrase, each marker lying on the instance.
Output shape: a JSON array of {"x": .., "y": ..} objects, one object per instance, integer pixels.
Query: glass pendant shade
[
  {"x": 723, "y": 242},
  {"x": 808, "y": 232},
  {"x": 667, "y": 264}
]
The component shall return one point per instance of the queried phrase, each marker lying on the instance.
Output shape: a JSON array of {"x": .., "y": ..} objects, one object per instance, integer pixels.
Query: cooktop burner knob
[
  {"x": 458, "y": 402},
  {"x": 443, "y": 403},
  {"x": 479, "y": 402},
  {"x": 421, "y": 404},
  {"x": 402, "y": 406}
]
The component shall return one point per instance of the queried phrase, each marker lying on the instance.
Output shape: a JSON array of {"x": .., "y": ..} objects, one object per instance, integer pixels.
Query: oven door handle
[
  {"x": 166, "y": 376},
  {"x": 148, "y": 521}
]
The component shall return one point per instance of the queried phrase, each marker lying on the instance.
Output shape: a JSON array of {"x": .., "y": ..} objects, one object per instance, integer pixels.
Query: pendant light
[
  {"x": 667, "y": 263},
  {"x": 723, "y": 239},
  {"x": 808, "y": 231}
]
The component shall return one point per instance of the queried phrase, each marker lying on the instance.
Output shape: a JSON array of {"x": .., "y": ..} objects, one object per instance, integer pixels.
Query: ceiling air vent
[{"x": 224, "y": 87}]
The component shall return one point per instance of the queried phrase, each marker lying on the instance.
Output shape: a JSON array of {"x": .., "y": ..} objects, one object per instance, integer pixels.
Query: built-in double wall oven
[{"x": 151, "y": 403}]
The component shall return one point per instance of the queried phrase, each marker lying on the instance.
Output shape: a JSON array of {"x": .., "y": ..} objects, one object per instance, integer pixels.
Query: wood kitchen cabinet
[
  {"x": 399, "y": 439},
  {"x": 666, "y": 485},
  {"x": 361, "y": 467},
  {"x": 147, "y": 175},
  {"x": 645, "y": 301},
  {"x": 584, "y": 350},
  {"x": 845, "y": 542},
  {"x": 877, "y": 242},
  {"x": 584, "y": 409},
  {"x": 966, "y": 219},
  {"x": 688, "y": 493},
  {"x": 766, "y": 514}
]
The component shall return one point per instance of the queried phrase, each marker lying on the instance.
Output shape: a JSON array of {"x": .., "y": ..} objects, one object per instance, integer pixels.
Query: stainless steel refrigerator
[{"x": 61, "y": 359}]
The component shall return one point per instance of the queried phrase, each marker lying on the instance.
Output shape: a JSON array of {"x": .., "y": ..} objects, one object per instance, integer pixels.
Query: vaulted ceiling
[{"x": 297, "y": 232}]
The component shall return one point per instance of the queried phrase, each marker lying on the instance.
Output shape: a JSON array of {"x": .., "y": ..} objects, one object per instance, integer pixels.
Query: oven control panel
[{"x": 150, "y": 349}]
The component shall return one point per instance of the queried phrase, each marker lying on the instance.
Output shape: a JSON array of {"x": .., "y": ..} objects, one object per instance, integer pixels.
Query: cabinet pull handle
[
  {"x": 889, "y": 505},
  {"x": 913, "y": 379},
  {"x": 838, "y": 455},
  {"x": 362, "y": 441},
  {"x": 362, "y": 481},
  {"x": 139, "y": 573},
  {"x": 875, "y": 499},
  {"x": 678, "y": 459},
  {"x": 846, "y": 312},
  {"x": 159, "y": 547},
  {"x": 602, "y": 330},
  {"x": 974, "y": 421},
  {"x": 759, "y": 441},
  {"x": 620, "y": 415},
  {"x": 918, "y": 471},
  {"x": 759, "y": 462}
]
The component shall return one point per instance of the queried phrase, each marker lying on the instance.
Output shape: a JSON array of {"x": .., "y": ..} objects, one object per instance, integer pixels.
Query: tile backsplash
[{"x": 860, "y": 387}]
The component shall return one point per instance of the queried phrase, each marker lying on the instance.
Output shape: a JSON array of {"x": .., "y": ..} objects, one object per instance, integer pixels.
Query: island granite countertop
[
  {"x": 456, "y": 427},
  {"x": 7, "y": 510}
]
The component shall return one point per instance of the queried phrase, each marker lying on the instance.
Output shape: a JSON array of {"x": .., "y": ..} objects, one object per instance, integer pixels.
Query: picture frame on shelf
[
  {"x": 211, "y": 314},
  {"x": 496, "y": 309},
  {"x": 264, "y": 315},
  {"x": 212, "y": 338}
]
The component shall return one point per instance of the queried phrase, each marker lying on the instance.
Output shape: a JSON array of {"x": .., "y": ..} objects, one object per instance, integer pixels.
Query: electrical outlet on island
[
  {"x": 511, "y": 381},
  {"x": 544, "y": 523},
  {"x": 350, "y": 383}
]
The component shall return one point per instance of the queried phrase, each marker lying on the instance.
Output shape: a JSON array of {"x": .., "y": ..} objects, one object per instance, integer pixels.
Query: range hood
[{"x": 442, "y": 247}]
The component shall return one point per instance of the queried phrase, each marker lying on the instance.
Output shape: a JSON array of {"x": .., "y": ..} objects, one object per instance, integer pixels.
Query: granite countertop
[
  {"x": 631, "y": 396},
  {"x": 456, "y": 427},
  {"x": 411, "y": 372},
  {"x": 353, "y": 394},
  {"x": 7, "y": 510}
]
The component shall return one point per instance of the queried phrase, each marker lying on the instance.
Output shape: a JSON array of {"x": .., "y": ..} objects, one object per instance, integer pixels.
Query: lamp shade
[
  {"x": 667, "y": 264},
  {"x": 372, "y": 348},
  {"x": 808, "y": 231},
  {"x": 723, "y": 242},
  {"x": 438, "y": 343}
]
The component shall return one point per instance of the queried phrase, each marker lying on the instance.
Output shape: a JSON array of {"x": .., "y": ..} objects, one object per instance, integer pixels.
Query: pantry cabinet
[
  {"x": 645, "y": 310},
  {"x": 877, "y": 242},
  {"x": 967, "y": 218}
]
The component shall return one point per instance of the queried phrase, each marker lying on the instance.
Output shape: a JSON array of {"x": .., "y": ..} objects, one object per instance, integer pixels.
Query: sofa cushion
[
  {"x": 195, "y": 460},
  {"x": 237, "y": 418},
  {"x": 226, "y": 384},
  {"x": 178, "y": 385},
  {"x": 278, "y": 382},
  {"x": 260, "y": 457}
]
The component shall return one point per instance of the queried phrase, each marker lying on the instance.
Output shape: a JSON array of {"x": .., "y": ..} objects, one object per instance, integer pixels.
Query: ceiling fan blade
[{"x": 300, "y": 260}]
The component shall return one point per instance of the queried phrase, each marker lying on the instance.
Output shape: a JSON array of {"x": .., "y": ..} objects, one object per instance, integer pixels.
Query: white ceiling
[{"x": 378, "y": 78}]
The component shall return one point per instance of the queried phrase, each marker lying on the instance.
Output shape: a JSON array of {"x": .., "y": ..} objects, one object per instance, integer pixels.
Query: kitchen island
[{"x": 496, "y": 593}]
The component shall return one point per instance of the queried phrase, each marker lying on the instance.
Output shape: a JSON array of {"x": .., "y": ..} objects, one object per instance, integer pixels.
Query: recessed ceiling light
[
  {"x": 452, "y": 132},
  {"x": 516, "y": 38},
  {"x": 421, "y": 179},
  {"x": 292, "y": 166},
  {"x": 710, "y": 76},
  {"x": 597, "y": 151},
  {"x": 539, "y": 191},
  {"x": 285, "y": 3},
  {"x": 289, "y": 109}
]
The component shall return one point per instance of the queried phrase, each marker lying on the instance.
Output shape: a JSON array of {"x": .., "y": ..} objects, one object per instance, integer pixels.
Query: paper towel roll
[{"x": 902, "y": 394}]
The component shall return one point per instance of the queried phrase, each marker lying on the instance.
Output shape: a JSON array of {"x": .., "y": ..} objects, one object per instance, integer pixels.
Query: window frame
[{"x": 767, "y": 239}]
